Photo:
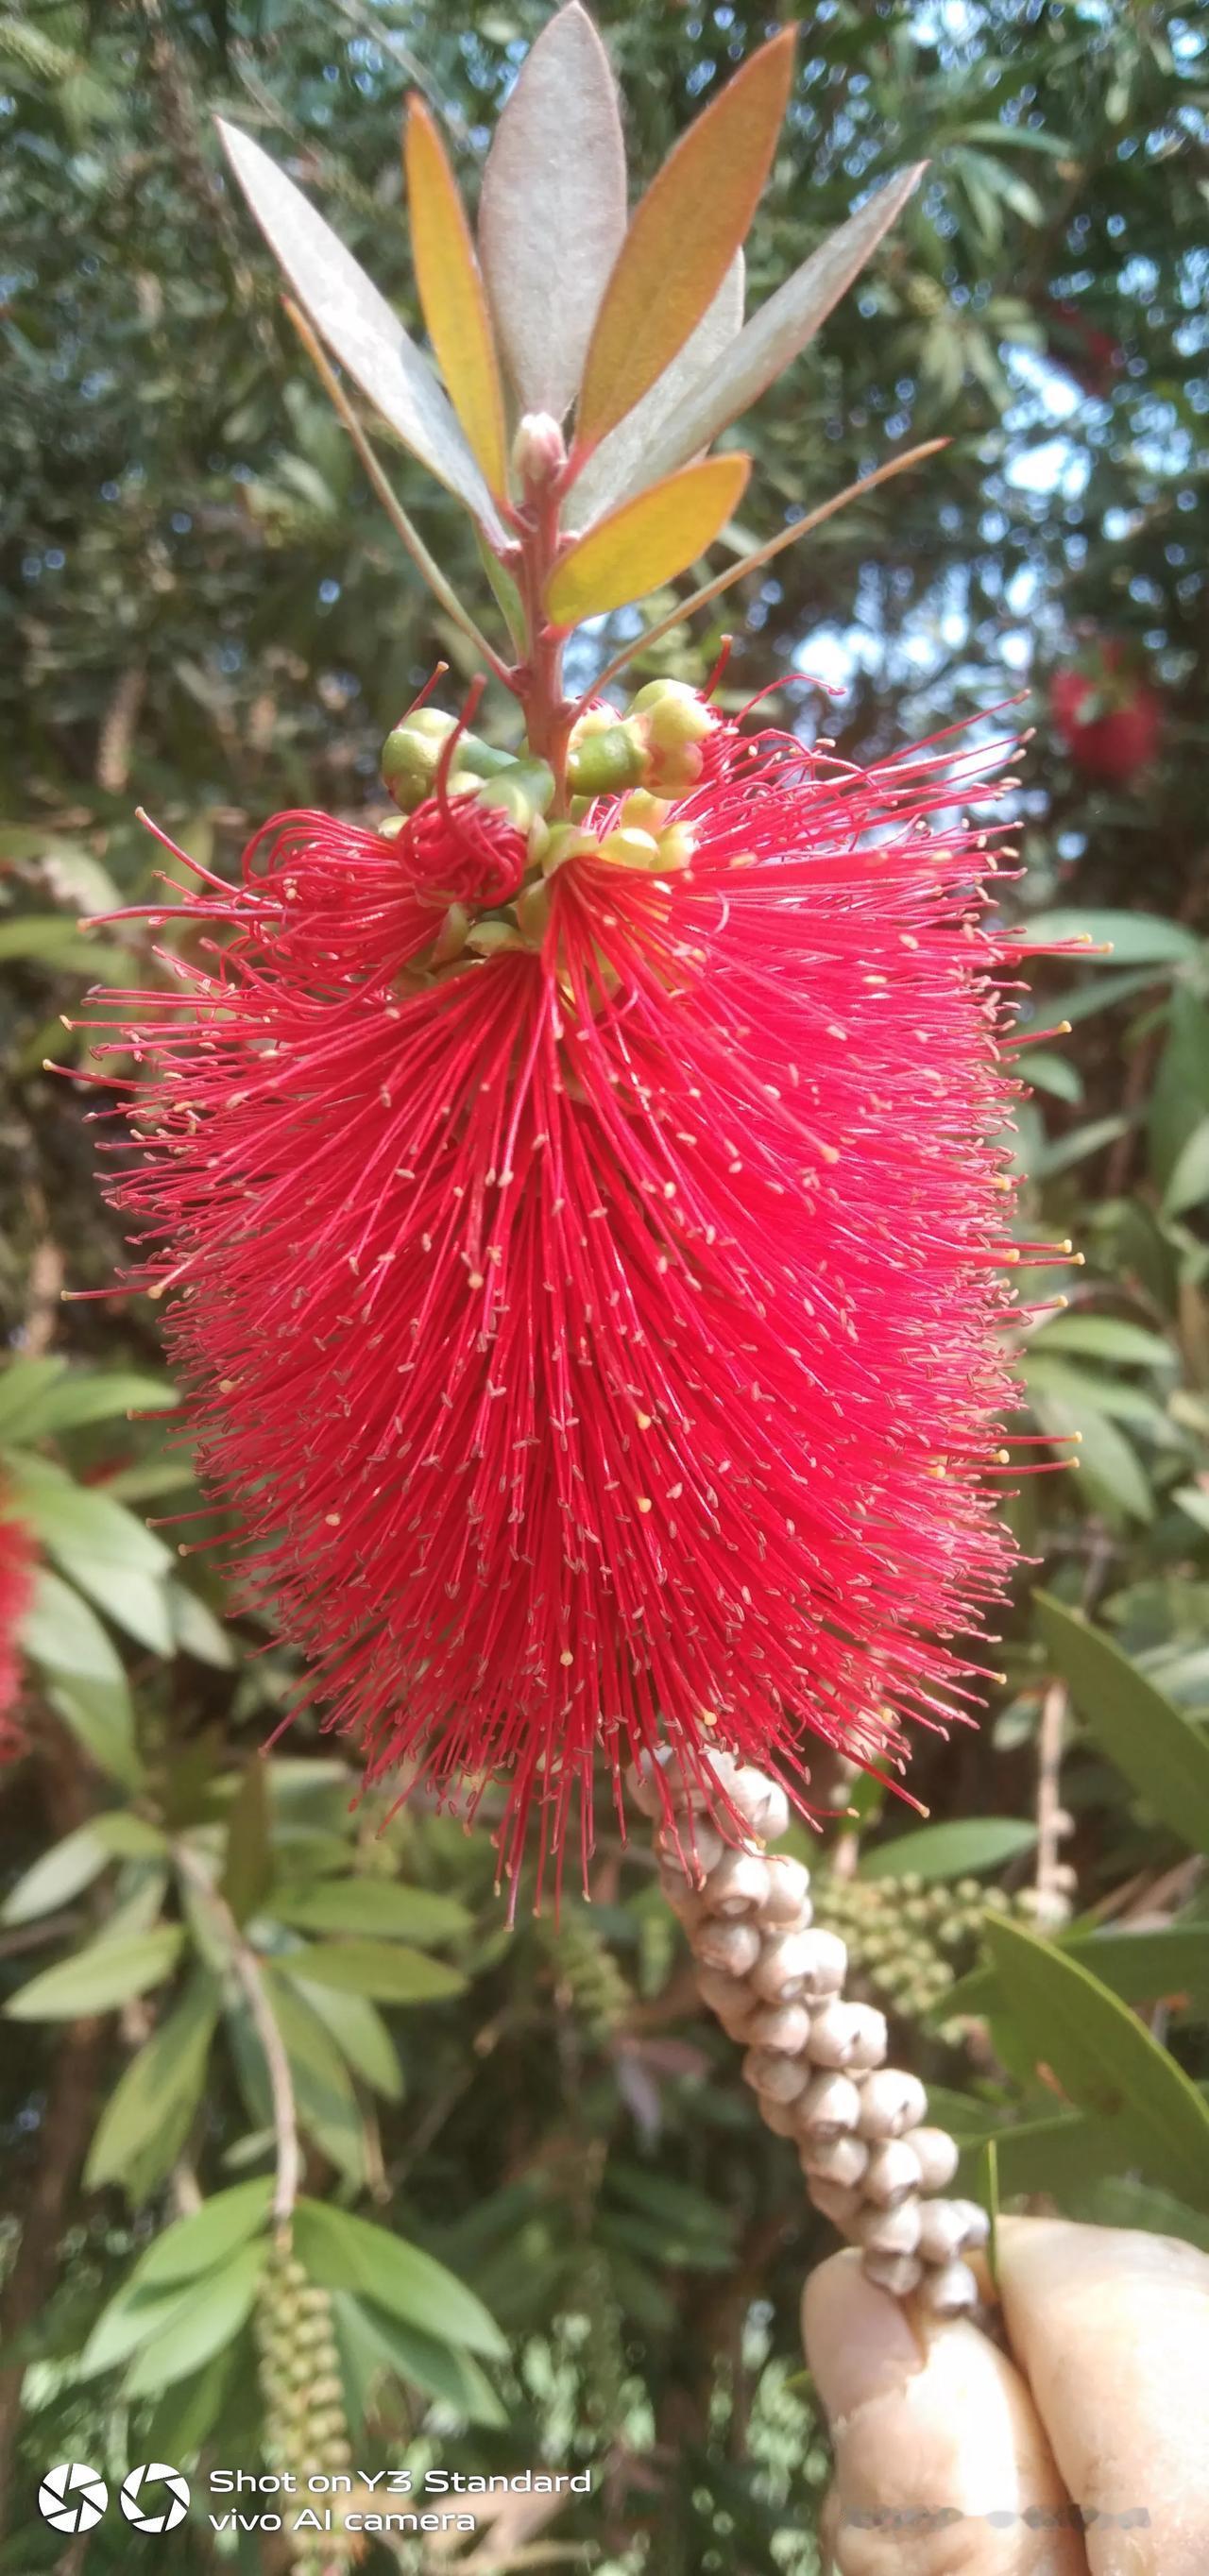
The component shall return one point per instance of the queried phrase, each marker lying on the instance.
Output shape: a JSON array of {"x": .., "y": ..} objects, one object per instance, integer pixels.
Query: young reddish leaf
[
  {"x": 682, "y": 240},
  {"x": 359, "y": 326},
  {"x": 780, "y": 330},
  {"x": 451, "y": 294},
  {"x": 552, "y": 213},
  {"x": 647, "y": 541},
  {"x": 619, "y": 464}
]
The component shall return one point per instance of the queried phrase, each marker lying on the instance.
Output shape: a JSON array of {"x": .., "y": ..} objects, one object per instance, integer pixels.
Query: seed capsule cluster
[
  {"x": 816, "y": 2062},
  {"x": 305, "y": 2426}
]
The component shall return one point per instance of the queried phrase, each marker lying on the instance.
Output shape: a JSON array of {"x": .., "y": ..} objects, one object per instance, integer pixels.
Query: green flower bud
[
  {"x": 411, "y": 753},
  {"x": 523, "y": 790},
  {"x": 603, "y": 761}
]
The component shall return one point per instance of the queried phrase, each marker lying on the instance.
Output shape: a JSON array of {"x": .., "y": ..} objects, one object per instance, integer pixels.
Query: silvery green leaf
[
  {"x": 552, "y": 214},
  {"x": 780, "y": 329},
  {"x": 358, "y": 325},
  {"x": 619, "y": 465}
]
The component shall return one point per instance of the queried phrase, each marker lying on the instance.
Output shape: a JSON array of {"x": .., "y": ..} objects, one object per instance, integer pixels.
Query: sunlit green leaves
[
  {"x": 148, "y": 2116},
  {"x": 965, "y": 1846},
  {"x": 107, "y": 1972},
  {"x": 1156, "y": 1748},
  {"x": 342, "y": 2252}
]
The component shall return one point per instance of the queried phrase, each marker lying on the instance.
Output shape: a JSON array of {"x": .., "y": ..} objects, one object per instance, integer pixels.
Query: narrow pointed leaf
[
  {"x": 1103, "y": 2057},
  {"x": 619, "y": 465},
  {"x": 692, "y": 220},
  {"x": 358, "y": 324},
  {"x": 1161, "y": 1753},
  {"x": 451, "y": 294},
  {"x": 99, "y": 1977},
  {"x": 780, "y": 330},
  {"x": 647, "y": 541},
  {"x": 552, "y": 215},
  {"x": 761, "y": 555}
]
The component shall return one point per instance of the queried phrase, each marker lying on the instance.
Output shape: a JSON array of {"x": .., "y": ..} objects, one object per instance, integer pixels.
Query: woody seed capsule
[
  {"x": 852, "y": 2035},
  {"x": 781, "y": 2078},
  {"x": 942, "y": 2231},
  {"x": 829, "y": 2108},
  {"x": 733, "y": 1947},
  {"x": 890, "y": 2231},
  {"x": 842, "y": 2160},
  {"x": 694, "y": 1852},
  {"x": 891, "y": 2101},
  {"x": 787, "y": 1900},
  {"x": 900, "y": 2274},
  {"x": 893, "y": 2172},
  {"x": 937, "y": 2156},
  {"x": 952, "y": 2291},
  {"x": 792, "y": 1964},
  {"x": 834, "y": 2202},
  {"x": 739, "y": 1885},
  {"x": 784, "y": 2027},
  {"x": 974, "y": 2218}
]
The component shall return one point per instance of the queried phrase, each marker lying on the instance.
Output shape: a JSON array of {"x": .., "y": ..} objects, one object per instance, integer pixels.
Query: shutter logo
[
  {"x": 155, "y": 2497},
  {"x": 72, "y": 2497}
]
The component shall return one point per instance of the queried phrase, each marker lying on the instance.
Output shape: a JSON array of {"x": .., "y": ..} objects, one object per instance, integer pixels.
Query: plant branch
[
  {"x": 426, "y": 564},
  {"x": 754, "y": 562},
  {"x": 247, "y": 1969}
]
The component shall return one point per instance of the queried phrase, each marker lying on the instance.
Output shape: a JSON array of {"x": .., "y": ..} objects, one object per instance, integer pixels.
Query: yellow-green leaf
[
  {"x": 451, "y": 294},
  {"x": 647, "y": 541},
  {"x": 682, "y": 240}
]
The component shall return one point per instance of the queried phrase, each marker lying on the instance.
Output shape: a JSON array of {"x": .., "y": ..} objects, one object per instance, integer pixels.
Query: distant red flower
[
  {"x": 17, "y": 1555},
  {"x": 603, "y": 1336},
  {"x": 1107, "y": 718}
]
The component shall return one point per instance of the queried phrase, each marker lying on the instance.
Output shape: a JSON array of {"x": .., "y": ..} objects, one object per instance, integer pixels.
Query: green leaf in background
[
  {"x": 99, "y": 1977},
  {"x": 188, "y": 2410},
  {"x": 60, "y": 1632},
  {"x": 147, "y": 2117},
  {"x": 248, "y": 1864},
  {"x": 345, "y": 2253},
  {"x": 1054, "y": 1074},
  {"x": 1150, "y": 1741},
  {"x": 94, "y": 1395},
  {"x": 968, "y": 1844},
  {"x": 74, "y": 1862},
  {"x": 1055, "y": 2155},
  {"x": 25, "y": 1387},
  {"x": 1189, "y": 1182},
  {"x": 206, "y": 2237},
  {"x": 377, "y": 1906},
  {"x": 1104, "y": 2058},
  {"x": 1105, "y": 1337},
  {"x": 1136, "y": 938},
  {"x": 361, "y": 2036},
  {"x": 442, "y": 2370},
  {"x": 327, "y": 2104},
  {"x": 1065, "y": 1400},
  {"x": 206, "y": 2323},
  {"x": 1142, "y": 1967},
  {"x": 388, "y": 1973}
]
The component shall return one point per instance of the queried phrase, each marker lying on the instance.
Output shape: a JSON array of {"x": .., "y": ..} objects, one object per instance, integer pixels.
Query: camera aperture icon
[
  {"x": 155, "y": 2497},
  {"x": 72, "y": 2497}
]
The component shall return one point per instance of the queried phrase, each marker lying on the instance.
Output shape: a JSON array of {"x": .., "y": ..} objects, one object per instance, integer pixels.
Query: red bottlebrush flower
[
  {"x": 17, "y": 1558},
  {"x": 1107, "y": 719},
  {"x": 602, "y": 1336}
]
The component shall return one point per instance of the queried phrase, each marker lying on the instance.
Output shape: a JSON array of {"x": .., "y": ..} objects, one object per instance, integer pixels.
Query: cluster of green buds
[
  {"x": 587, "y": 1977},
  {"x": 655, "y": 747},
  {"x": 305, "y": 2424},
  {"x": 909, "y": 1940}
]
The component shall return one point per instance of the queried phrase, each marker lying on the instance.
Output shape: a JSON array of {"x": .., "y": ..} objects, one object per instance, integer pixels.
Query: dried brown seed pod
[
  {"x": 842, "y": 2160},
  {"x": 829, "y": 2107},
  {"x": 949, "y": 2291},
  {"x": 738, "y": 1885},
  {"x": 810, "y": 1963},
  {"x": 900, "y": 2274},
  {"x": 937, "y": 2156},
  {"x": 891, "y": 2101},
  {"x": 782, "y": 2026},
  {"x": 852, "y": 2035},
  {"x": 788, "y": 1900},
  {"x": 893, "y": 2172},
  {"x": 889, "y": 2231},
  {"x": 733, "y": 1947}
]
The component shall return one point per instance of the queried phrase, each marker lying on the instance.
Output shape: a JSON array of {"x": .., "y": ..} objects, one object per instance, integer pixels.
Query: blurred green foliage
[{"x": 584, "y": 2252}]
